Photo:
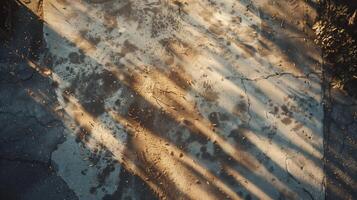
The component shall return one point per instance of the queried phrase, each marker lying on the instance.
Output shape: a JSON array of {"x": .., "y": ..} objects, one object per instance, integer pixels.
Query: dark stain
[
  {"x": 210, "y": 95},
  {"x": 110, "y": 82},
  {"x": 84, "y": 172},
  {"x": 297, "y": 127},
  {"x": 286, "y": 120},
  {"x": 195, "y": 136},
  {"x": 95, "y": 107},
  {"x": 276, "y": 110},
  {"x": 94, "y": 40},
  {"x": 239, "y": 136},
  {"x": 117, "y": 102},
  {"x": 285, "y": 110},
  {"x": 214, "y": 118},
  {"x": 128, "y": 48},
  {"x": 240, "y": 108},
  {"x": 102, "y": 176},
  {"x": 95, "y": 156},
  {"x": 74, "y": 58},
  {"x": 82, "y": 135},
  {"x": 205, "y": 154},
  {"x": 93, "y": 89},
  {"x": 236, "y": 19}
]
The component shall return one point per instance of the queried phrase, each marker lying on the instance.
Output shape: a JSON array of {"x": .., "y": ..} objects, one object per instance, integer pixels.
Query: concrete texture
[
  {"x": 166, "y": 100},
  {"x": 211, "y": 94}
]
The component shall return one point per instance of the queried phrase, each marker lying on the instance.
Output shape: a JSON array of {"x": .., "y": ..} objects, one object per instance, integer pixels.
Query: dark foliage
[{"x": 336, "y": 30}]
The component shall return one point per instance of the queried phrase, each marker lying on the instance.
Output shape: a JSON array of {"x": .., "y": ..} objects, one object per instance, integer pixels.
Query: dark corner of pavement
[{"x": 29, "y": 130}]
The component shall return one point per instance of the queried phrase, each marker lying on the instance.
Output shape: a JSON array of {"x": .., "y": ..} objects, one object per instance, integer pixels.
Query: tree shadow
[{"x": 147, "y": 110}]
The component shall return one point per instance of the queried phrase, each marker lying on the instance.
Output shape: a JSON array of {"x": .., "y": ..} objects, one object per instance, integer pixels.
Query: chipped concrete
[{"x": 213, "y": 99}]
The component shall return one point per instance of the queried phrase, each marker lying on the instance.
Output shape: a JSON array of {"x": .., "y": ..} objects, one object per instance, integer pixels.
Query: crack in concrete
[
  {"x": 45, "y": 125},
  {"x": 297, "y": 181},
  {"x": 278, "y": 75}
]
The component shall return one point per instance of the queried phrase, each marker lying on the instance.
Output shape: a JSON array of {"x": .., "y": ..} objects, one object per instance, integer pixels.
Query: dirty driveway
[{"x": 175, "y": 100}]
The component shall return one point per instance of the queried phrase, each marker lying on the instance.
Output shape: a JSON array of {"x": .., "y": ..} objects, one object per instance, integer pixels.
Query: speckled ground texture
[{"x": 165, "y": 99}]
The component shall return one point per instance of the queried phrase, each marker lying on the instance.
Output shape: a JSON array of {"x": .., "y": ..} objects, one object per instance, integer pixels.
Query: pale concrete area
[{"x": 162, "y": 99}]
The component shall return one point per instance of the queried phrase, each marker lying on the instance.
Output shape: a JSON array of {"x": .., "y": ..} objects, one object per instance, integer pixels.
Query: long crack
[
  {"x": 18, "y": 114},
  {"x": 296, "y": 180},
  {"x": 278, "y": 75}
]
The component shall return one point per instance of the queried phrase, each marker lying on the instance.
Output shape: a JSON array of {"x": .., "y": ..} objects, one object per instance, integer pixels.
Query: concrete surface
[
  {"x": 203, "y": 80},
  {"x": 167, "y": 99}
]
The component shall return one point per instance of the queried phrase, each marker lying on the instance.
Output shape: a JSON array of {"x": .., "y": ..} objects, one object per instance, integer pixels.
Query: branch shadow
[{"x": 115, "y": 95}]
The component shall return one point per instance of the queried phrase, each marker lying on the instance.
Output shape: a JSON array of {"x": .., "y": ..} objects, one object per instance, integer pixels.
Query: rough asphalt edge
[
  {"x": 331, "y": 97},
  {"x": 27, "y": 176}
]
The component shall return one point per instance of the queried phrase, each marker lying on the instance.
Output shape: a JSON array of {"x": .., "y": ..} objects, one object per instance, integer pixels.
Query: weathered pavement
[{"x": 172, "y": 100}]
